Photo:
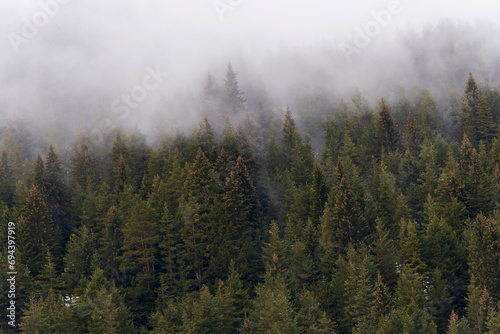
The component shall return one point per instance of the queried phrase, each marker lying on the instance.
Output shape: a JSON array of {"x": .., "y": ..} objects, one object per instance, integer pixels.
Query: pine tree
[
  {"x": 332, "y": 148},
  {"x": 310, "y": 318},
  {"x": 56, "y": 191},
  {"x": 476, "y": 119},
  {"x": 272, "y": 308},
  {"x": 480, "y": 305},
  {"x": 140, "y": 238},
  {"x": 138, "y": 260},
  {"x": 290, "y": 138},
  {"x": 39, "y": 175},
  {"x": 223, "y": 166},
  {"x": 387, "y": 132},
  {"x": 410, "y": 249},
  {"x": 229, "y": 141},
  {"x": 36, "y": 231},
  {"x": 34, "y": 320},
  {"x": 484, "y": 253},
  {"x": 121, "y": 175},
  {"x": 48, "y": 279},
  {"x": 343, "y": 211},
  {"x": 201, "y": 182},
  {"x": 7, "y": 184},
  {"x": 210, "y": 91},
  {"x": 205, "y": 139},
  {"x": 140, "y": 154},
  {"x": 413, "y": 135},
  {"x": 442, "y": 252},
  {"x": 358, "y": 287},
  {"x": 484, "y": 122},
  {"x": 236, "y": 295},
  {"x": 319, "y": 193},
  {"x": 83, "y": 165},
  {"x": 297, "y": 212},
  {"x": 222, "y": 241},
  {"x": 360, "y": 102},
  {"x": 275, "y": 252},
  {"x": 469, "y": 107},
  {"x": 110, "y": 239},
  {"x": 233, "y": 97},
  {"x": 386, "y": 197},
  {"x": 78, "y": 261},
  {"x": 241, "y": 199},
  {"x": 273, "y": 162},
  {"x": 385, "y": 256},
  {"x": 349, "y": 150},
  {"x": 458, "y": 326},
  {"x": 427, "y": 113},
  {"x": 169, "y": 245},
  {"x": 452, "y": 195},
  {"x": 411, "y": 314},
  {"x": 402, "y": 108},
  {"x": 47, "y": 315},
  {"x": 302, "y": 162},
  {"x": 119, "y": 151},
  {"x": 101, "y": 309},
  {"x": 193, "y": 232}
]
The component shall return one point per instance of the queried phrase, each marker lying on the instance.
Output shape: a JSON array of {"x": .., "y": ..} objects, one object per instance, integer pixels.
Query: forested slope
[{"x": 383, "y": 219}]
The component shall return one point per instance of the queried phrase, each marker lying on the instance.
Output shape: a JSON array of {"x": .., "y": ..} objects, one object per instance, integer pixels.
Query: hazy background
[{"x": 64, "y": 79}]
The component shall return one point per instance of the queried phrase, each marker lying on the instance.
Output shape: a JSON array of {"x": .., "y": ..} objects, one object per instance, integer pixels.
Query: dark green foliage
[
  {"x": 484, "y": 253},
  {"x": 289, "y": 140},
  {"x": 384, "y": 233},
  {"x": 39, "y": 175},
  {"x": 272, "y": 309},
  {"x": 101, "y": 308},
  {"x": 36, "y": 231},
  {"x": 56, "y": 194},
  {"x": 319, "y": 193},
  {"x": 78, "y": 260},
  {"x": 83, "y": 165},
  {"x": 385, "y": 256},
  {"x": 413, "y": 135},
  {"x": 476, "y": 116},
  {"x": 387, "y": 130},
  {"x": 7, "y": 183}
]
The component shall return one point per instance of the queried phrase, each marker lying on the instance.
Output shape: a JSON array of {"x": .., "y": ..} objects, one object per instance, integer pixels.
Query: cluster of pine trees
[{"x": 392, "y": 227}]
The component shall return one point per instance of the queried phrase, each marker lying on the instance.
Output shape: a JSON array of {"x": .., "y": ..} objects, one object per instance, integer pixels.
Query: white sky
[{"x": 294, "y": 21}]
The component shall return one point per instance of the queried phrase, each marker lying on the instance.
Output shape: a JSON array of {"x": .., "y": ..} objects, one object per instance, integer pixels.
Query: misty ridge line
[{"x": 38, "y": 20}]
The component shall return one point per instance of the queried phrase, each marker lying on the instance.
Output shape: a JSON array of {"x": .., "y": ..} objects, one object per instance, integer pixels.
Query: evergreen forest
[{"x": 368, "y": 218}]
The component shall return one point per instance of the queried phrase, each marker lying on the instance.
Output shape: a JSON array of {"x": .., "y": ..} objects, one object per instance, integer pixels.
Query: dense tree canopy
[{"x": 389, "y": 225}]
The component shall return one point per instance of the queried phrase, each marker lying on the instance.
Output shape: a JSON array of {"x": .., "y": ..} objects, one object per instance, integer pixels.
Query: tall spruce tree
[
  {"x": 476, "y": 119},
  {"x": 40, "y": 175},
  {"x": 7, "y": 182},
  {"x": 387, "y": 130},
  {"x": 233, "y": 97},
  {"x": 319, "y": 193},
  {"x": 36, "y": 231},
  {"x": 290, "y": 139},
  {"x": 83, "y": 165},
  {"x": 56, "y": 190}
]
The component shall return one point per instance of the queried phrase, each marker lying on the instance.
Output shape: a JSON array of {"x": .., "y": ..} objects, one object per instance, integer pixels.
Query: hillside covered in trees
[{"x": 365, "y": 219}]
